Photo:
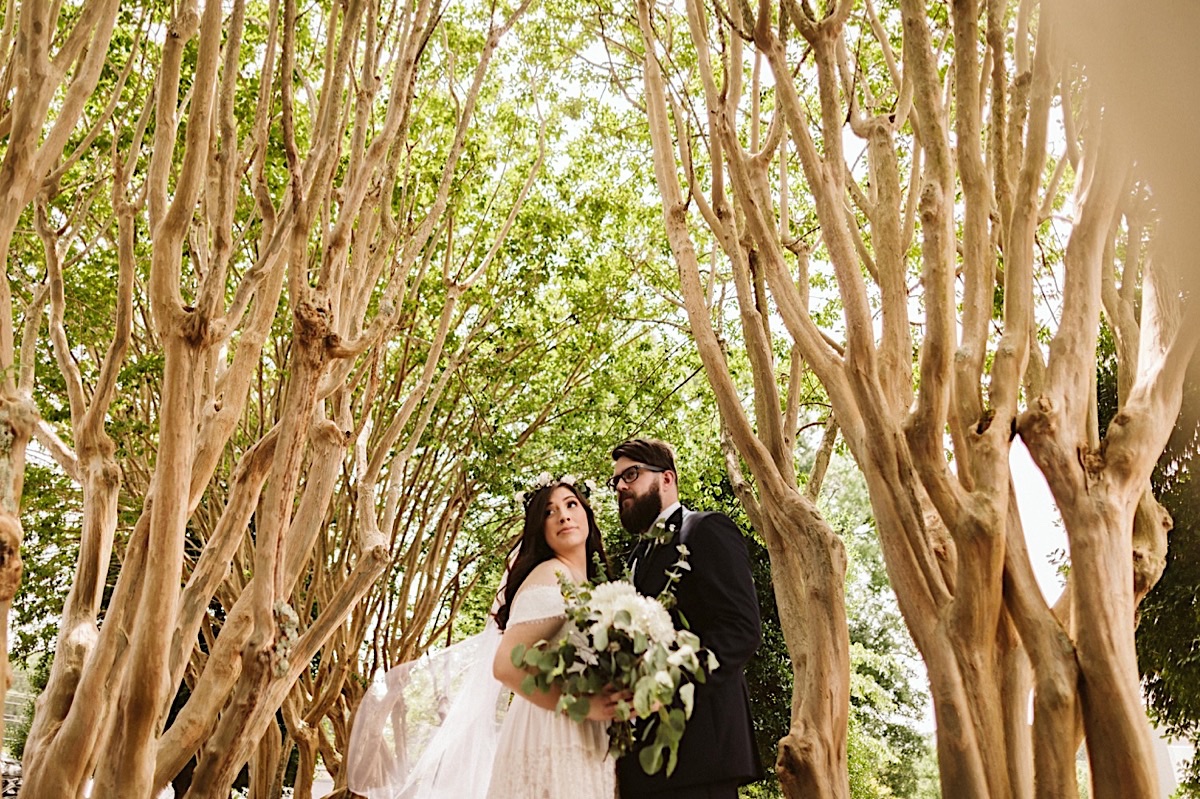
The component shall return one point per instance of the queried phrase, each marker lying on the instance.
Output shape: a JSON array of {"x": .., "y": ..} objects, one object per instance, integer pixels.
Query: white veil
[{"x": 428, "y": 728}]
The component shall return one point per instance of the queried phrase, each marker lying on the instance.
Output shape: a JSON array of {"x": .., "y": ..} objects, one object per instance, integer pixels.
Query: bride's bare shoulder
[{"x": 546, "y": 573}]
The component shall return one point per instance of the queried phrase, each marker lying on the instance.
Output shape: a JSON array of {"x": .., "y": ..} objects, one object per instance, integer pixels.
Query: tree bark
[{"x": 934, "y": 450}]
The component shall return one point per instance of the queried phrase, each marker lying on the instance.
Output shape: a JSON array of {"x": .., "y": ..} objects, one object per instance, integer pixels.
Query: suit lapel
[{"x": 650, "y": 558}]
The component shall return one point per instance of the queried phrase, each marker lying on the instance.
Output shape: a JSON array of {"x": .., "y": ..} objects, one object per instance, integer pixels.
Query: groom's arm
[{"x": 725, "y": 602}]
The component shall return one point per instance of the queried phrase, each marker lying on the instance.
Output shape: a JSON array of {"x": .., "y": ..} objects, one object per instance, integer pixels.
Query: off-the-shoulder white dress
[{"x": 543, "y": 754}]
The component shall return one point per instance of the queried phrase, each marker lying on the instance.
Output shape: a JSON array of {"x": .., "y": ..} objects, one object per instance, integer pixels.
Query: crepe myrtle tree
[
  {"x": 279, "y": 223},
  {"x": 50, "y": 68},
  {"x": 920, "y": 161}
]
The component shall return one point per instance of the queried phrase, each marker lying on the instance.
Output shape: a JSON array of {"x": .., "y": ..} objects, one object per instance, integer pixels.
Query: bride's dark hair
[{"x": 533, "y": 548}]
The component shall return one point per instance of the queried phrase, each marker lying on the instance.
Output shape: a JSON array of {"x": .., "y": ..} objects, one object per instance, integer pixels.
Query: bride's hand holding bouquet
[{"x": 622, "y": 644}]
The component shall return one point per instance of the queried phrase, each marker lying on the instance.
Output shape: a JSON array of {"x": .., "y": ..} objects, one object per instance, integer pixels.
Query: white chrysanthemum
[
  {"x": 646, "y": 615},
  {"x": 608, "y": 598},
  {"x": 567, "y": 479}
]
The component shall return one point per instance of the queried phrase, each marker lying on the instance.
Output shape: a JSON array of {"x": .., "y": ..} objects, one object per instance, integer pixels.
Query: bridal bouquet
[{"x": 621, "y": 641}]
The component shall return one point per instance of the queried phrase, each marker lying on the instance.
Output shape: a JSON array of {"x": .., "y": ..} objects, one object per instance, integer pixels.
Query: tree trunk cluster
[
  {"x": 258, "y": 184},
  {"x": 926, "y": 168}
]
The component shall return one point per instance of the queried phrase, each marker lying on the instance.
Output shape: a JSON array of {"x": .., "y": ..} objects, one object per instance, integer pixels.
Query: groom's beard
[{"x": 638, "y": 515}]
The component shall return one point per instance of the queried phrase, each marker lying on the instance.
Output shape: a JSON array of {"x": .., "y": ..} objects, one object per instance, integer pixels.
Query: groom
[{"x": 717, "y": 598}]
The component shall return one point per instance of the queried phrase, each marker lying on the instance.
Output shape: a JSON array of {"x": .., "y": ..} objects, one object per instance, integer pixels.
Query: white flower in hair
[{"x": 547, "y": 480}]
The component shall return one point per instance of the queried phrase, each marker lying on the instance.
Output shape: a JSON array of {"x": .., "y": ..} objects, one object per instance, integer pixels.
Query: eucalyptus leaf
[
  {"x": 651, "y": 759},
  {"x": 687, "y": 695}
]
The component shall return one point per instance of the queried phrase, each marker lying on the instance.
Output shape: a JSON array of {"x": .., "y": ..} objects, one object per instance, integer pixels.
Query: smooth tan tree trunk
[
  {"x": 333, "y": 262},
  {"x": 934, "y": 239}
]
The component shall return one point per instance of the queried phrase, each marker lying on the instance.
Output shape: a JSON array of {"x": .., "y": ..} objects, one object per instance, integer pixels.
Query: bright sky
[{"x": 1044, "y": 533}]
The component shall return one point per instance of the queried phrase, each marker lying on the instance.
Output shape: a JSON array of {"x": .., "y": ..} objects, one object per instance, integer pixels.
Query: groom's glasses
[{"x": 630, "y": 476}]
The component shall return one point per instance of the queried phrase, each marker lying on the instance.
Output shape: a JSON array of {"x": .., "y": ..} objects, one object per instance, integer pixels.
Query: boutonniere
[
  {"x": 661, "y": 532},
  {"x": 667, "y": 595}
]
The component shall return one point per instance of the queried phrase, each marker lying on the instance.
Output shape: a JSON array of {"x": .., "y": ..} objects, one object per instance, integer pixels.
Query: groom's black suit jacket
[{"x": 717, "y": 599}]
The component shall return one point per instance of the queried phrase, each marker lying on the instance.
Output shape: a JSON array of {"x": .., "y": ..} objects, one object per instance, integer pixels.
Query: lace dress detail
[
  {"x": 537, "y": 603},
  {"x": 543, "y": 754}
]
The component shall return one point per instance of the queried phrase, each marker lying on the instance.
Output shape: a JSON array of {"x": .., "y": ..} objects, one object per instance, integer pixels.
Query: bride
[
  {"x": 430, "y": 728},
  {"x": 560, "y": 537}
]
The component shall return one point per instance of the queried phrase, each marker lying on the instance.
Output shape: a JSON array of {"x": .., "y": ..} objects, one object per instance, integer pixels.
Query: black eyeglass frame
[{"x": 637, "y": 470}]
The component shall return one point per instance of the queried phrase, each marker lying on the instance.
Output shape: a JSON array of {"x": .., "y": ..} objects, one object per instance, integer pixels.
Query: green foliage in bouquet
[{"x": 621, "y": 642}]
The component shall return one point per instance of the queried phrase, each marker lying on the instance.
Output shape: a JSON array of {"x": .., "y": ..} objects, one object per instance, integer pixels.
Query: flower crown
[{"x": 545, "y": 480}]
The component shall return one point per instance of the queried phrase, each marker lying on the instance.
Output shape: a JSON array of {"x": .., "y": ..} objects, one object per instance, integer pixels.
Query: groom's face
[{"x": 639, "y": 502}]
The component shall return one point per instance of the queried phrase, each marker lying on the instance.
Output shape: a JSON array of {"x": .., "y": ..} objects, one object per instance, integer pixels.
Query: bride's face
[{"x": 566, "y": 522}]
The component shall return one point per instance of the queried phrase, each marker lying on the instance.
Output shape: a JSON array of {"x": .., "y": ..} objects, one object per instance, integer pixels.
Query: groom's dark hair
[{"x": 650, "y": 451}]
